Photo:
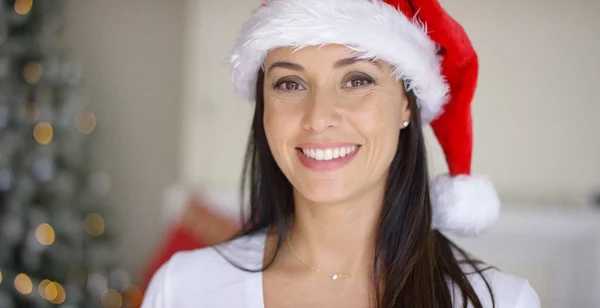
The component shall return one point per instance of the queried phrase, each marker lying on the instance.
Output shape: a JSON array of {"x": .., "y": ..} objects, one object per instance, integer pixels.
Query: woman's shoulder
[
  {"x": 509, "y": 291},
  {"x": 206, "y": 274},
  {"x": 245, "y": 251}
]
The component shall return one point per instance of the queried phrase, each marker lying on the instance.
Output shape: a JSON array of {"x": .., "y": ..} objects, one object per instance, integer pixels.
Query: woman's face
[{"x": 332, "y": 121}]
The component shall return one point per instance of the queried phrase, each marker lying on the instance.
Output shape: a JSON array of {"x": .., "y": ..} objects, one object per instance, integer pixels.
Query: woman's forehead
[{"x": 324, "y": 55}]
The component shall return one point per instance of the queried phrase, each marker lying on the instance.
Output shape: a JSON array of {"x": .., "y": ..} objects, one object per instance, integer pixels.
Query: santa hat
[{"x": 430, "y": 52}]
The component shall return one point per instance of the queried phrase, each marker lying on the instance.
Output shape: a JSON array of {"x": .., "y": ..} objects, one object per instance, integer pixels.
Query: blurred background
[{"x": 121, "y": 142}]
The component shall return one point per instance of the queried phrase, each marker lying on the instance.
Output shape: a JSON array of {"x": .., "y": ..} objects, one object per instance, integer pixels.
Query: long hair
[{"x": 414, "y": 266}]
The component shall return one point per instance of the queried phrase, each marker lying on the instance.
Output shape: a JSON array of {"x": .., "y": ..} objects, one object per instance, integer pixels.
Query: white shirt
[{"x": 202, "y": 278}]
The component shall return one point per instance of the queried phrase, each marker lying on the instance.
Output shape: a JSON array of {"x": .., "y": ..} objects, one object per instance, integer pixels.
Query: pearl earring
[{"x": 405, "y": 123}]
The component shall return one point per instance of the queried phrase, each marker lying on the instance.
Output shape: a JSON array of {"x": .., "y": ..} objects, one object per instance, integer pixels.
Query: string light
[
  {"x": 43, "y": 132},
  {"x": 52, "y": 292},
  {"x": 94, "y": 224},
  {"x": 86, "y": 122},
  {"x": 45, "y": 234},
  {"x": 23, "y": 284},
  {"x": 55, "y": 293},
  {"x": 132, "y": 296},
  {"x": 42, "y": 288},
  {"x": 112, "y": 299},
  {"x": 32, "y": 72},
  {"x": 23, "y": 7}
]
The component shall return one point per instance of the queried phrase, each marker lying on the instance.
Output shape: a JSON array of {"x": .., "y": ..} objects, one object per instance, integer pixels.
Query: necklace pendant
[{"x": 334, "y": 277}]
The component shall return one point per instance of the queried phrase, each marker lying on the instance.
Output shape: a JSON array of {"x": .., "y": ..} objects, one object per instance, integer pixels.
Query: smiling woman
[{"x": 341, "y": 209}]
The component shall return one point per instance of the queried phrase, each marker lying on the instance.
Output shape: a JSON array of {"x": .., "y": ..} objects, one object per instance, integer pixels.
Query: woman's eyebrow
[
  {"x": 285, "y": 64},
  {"x": 352, "y": 60}
]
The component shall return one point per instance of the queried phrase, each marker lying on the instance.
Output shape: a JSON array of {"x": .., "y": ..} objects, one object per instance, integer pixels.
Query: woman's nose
[{"x": 321, "y": 112}]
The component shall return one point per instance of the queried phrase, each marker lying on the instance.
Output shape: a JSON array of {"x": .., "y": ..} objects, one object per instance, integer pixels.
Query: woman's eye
[
  {"x": 358, "y": 82},
  {"x": 289, "y": 86}
]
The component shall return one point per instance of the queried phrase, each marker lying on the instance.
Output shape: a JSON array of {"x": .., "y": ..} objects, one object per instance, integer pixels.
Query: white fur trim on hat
[
  {"x": 372, "y": 28},
  {"x": 465, "y": 205}
]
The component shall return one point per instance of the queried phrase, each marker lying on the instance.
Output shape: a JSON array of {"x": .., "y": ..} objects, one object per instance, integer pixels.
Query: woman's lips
[{"x": 326, "y": 157}]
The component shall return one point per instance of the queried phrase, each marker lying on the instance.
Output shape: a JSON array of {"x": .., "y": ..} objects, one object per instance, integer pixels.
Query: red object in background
[
  {"x": 178, "y": 239},
  {"x": 197, "y": 227}
]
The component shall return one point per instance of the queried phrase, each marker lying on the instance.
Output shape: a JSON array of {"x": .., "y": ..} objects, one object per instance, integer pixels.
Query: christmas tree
[{"x": 55, "y": 248}]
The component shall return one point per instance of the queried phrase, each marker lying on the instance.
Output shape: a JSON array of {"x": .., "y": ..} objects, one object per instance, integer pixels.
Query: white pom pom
[{"x": 465, "y": 205}]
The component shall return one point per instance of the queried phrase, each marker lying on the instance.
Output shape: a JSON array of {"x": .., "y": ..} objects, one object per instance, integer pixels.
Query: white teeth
[
  {"x": 329, "y": 154},
  {"x": 319, "y": 155}
]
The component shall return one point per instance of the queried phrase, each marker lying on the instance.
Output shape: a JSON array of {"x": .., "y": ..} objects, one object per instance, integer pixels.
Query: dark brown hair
[{"x": 414, "y": 266}]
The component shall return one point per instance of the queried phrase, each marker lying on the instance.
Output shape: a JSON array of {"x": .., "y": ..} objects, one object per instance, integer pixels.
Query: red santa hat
[{"x": 430, "y": 52}]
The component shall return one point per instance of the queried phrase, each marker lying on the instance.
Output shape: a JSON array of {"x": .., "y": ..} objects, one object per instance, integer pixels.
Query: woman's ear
[
  {"x": 407, "y": 115},
  {"x": 406, "y": 109}
]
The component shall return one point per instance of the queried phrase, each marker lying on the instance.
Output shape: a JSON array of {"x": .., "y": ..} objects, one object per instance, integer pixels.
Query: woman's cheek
[
  {"x": 278, "y": 119},
  {"x": 372, "y": 111}
]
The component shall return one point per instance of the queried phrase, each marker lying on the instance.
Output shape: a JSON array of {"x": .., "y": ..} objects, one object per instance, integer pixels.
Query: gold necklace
[{"x": 333, "y": 276}]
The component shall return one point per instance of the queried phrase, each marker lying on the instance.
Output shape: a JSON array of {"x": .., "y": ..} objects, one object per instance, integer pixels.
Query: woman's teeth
[{"x": 329, "y": 154}]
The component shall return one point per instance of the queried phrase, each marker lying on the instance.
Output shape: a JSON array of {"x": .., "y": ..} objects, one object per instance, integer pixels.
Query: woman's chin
[{"x": 326, "y": 194}]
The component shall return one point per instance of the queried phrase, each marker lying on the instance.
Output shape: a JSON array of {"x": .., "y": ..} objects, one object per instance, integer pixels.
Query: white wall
[
  {"x": 215, "y": 125},
  {"x": 557, "y": 251},
  {"x": 131, "y": 53},
  {"x": 535, "y": 113}
]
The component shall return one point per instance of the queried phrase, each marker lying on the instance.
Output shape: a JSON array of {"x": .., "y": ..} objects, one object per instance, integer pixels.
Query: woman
[{"x": 341, "y": 212}]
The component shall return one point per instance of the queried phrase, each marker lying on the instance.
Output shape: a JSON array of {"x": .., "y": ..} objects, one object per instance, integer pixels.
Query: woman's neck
[{"x": 338, "y": 237}]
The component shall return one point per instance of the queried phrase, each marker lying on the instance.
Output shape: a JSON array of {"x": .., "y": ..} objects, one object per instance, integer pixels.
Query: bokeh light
[
  {"x": 0, "y": 276},
  {"x": 132, "y": 296},
  {"x": 86, "y": 122},
  {"x": 42, "y": 288},
  {"x": 94, "y": 224},
  {"x": 32, "y": 72},
  {"x": 51, "y": 291},
  {"x": 43, "y": 133},
  {"x": 23, "y": 284},
  {"x": 45, "y": 234},
  {"x": 23, "y": 7},
  {"x": 112, "y": 299},
  {"x": 55, "y": 293}
]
